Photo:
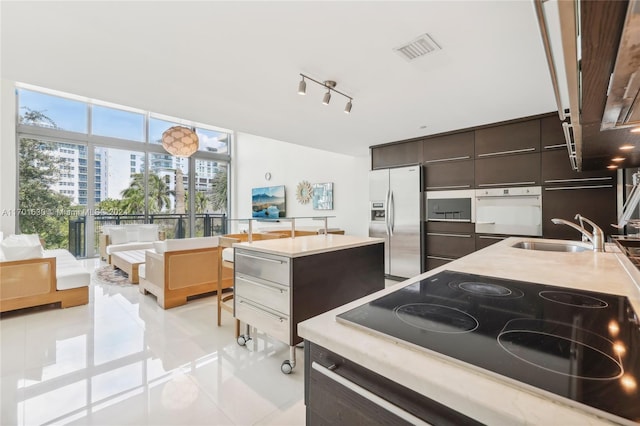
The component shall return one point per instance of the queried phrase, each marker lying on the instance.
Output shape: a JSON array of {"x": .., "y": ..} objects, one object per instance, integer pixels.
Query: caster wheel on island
[
  {"x": 286, "y": 367},
  {"x": 242, "y": 341}
]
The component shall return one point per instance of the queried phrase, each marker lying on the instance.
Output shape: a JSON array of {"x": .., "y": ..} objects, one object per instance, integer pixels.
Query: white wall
[
  {"x": 7, "y": 157},
  {"x": 289, "y": 164}
]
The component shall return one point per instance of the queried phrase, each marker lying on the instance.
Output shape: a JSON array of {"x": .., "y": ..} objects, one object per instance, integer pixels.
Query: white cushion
[
  {"x": 19, "y": 247},
  {"x": 227, "y": 254},
  {"x": 118, "y": 236},
  {"x": 191, "y": 243},
  {"x": 147, "y": 232},
  {"x": 69, "y": 271},
  {"x": 137, "y": 245},
  {"x": 2, "y": 258},
  {"x": 160, "y": 246}
]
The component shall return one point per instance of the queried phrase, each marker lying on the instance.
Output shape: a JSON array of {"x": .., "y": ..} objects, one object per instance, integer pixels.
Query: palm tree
[
  {"x": 157, "y": 189},
  {"x": 219, "y": 191}
]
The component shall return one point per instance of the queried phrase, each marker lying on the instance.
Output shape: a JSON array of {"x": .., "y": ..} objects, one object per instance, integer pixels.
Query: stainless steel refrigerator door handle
[
  {"x": 392, "y": 218},
  {"x": 386, "y": 212}
]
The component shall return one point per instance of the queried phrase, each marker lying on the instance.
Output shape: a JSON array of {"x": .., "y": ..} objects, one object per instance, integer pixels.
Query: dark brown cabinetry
[
  {"x": 507, "y": 139},
  {"x": 484, "y": 240},
  {"x": 400, "y": 154},
  {"x": 447, "y": 241},
  {"x": 449, "y": 175},
  {"x": 512, "y": 170},
  {"x": 448, "y": 162},
  {"x": 551, "y": 134},
  {"x": 556, "y": 170},
  {"x": 341, "y": 392}
]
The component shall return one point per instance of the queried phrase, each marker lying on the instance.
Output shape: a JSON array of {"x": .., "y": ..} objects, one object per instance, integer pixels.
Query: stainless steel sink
[{"x": 544, "y": 246}]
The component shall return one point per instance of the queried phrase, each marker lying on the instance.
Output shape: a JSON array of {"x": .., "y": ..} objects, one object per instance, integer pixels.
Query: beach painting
[{"x": 268, "y": 202}]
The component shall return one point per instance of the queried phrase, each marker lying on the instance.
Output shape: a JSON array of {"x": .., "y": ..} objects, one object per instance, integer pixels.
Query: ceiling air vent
[{"x": 417, "y": 48}]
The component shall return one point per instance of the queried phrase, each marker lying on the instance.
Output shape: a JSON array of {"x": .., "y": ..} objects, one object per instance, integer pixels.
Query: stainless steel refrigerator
[{"x": 396, "y": 212}]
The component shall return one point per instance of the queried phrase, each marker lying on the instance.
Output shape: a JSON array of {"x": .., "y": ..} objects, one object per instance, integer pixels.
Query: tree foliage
[
  {"x": 42, "y": 211},
  {"x": 219, "y": 192}
]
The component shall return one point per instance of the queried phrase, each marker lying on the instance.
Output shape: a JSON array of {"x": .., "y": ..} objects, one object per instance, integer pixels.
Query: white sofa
[
  {"x": 180, "y": 268},
  {"x": 116, "y": 238},
  {"x": 31, "y": 276}
]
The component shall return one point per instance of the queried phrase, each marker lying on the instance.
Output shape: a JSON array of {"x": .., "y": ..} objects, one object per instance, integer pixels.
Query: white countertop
[
  {"x": 307, "y": 245},
  {"x": 475, "y": 392}
]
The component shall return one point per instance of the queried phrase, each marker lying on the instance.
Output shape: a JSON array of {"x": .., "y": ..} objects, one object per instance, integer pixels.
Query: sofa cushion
[
  {"x": 19, "y": 247},
  {"x": 190, "y": 243},
  {"x": 113, "y": 248},
  {"x": 118, "y": 236},
  {"x": 69, "y": 271},
  {"x": 148, "y": 233}
]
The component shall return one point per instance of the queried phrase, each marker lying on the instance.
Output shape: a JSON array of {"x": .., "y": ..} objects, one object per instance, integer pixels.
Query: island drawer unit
[
  {"x": 262, "y": 284},
  {"x": 274, "y": 292}
]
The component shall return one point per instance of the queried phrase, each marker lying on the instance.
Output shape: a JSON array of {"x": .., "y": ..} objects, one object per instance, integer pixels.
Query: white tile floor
[{"x": 122, "y": 360}]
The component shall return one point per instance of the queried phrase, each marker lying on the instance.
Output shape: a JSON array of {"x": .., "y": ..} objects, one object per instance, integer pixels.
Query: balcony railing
[{"x": 173, "y": 225}]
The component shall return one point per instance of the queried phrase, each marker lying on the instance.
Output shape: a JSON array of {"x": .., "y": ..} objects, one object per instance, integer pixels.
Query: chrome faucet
[{"x": 596, "y": 238}]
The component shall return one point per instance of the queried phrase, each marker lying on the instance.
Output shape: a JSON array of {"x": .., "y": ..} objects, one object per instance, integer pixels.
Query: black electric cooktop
[{"x": 581, "y": 345}]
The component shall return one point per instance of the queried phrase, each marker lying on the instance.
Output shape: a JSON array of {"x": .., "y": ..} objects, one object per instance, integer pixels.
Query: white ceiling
[{"x": 236, "y": 64}]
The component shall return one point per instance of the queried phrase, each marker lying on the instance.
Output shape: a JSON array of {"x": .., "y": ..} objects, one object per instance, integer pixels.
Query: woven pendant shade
[{"x": 180, "y": 141}]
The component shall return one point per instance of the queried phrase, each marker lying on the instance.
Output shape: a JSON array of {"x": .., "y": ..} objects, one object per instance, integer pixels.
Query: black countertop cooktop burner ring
[
  {"x": 485, "y": 289},
  {"x": 573, "y": 299},
  {"x": 436, "y": 318},
  {"x": 561, "y": 348}
]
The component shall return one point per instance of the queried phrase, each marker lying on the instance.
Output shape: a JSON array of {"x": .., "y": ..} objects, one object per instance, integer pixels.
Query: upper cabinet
[
  {"x": 551, "y": 134},
  {"x": 458, "y": 146},
  {"x": 508, "y": 139},
  {"x": 395, "y": 155}
]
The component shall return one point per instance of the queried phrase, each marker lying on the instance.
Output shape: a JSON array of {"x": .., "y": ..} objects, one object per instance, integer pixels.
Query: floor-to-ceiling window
[{"x": 67, "y": 198}]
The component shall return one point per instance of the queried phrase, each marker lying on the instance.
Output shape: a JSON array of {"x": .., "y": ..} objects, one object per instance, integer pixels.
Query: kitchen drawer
[
  {"x": 274, "y": 296},
  {"x": 514, "y": 170},
  {"x": 450, "y": 245},
  {"x": 556, "y": 170},
  {"x": 265, "y": 319},
  {"x": 483, "y": 240},
  {"x": 265, "y": 266},
  {"x": 433, "y": 262}
]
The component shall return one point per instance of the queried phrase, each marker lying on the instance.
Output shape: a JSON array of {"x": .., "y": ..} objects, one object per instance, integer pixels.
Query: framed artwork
[
  {"x": 323, "y": 196},
  {"x": 268, "y": 202}
]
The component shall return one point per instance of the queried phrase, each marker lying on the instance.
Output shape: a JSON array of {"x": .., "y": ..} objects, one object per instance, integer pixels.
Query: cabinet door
[
  {"x": 454, "y": 147},
  {"x": 595, "y": 202},
  {"x": 400, "y": 154},
  {"x": 514, "y": 170},
  {"x": 556, "y": 170},
  {"x": 516, "y": 138},
  {"x": 551, "y": 133},
  {"x": 433, "y": 262},
  {"x": 450, "y": 245},
  {"x": 449, "y": 175}
]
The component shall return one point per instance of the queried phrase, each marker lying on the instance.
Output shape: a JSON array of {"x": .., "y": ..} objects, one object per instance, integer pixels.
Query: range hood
[{"x": 623, "y": 98}]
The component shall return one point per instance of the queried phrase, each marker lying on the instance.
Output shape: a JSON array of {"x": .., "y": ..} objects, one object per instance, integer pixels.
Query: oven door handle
[{"x": 485, "y": 223}]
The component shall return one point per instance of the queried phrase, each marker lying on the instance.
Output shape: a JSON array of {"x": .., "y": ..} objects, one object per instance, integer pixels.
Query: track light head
[
  {"x": 347, "y": 108},
  {"x": 327, "y": 97},
  {"x": 302, "y": 87}
]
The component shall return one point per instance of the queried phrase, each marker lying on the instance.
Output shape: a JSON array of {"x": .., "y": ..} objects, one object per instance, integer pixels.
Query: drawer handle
[
  {"x": 561, "y": 145},
  {"x": 266, "y": 259},
  {"x": 262, "y": 311},
  {"x": 449, "y": 187},
  {"x": 265, "y": 286},
  {"x": 578, "y": 180},
  {"x": 507, "y": 183},
  {"x": 466, "y": 157},
  {"x": 437, "y": 234},
  {"x": 489, "y": 237},
  {"x": 514, "y": 151},
  {"x": 450, "y": 220},
  {"x": 440, "y": 258},
  {"x": 570, "y": 188},
  {"x": 368, "y": 395}
]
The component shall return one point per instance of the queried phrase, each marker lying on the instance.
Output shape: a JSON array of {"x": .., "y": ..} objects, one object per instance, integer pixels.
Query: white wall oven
[
  {"x": 509, "y": 211},
  {"x": 450, "y": 206}
]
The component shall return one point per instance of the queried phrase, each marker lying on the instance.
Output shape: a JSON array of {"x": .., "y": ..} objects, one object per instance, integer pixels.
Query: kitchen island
[
  {"x": 465, "y": 392},
  {"x": 280, "y": 282}
]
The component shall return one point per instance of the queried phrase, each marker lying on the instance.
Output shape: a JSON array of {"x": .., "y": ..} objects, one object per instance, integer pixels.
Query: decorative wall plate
[{"x": 304, "y": 192}]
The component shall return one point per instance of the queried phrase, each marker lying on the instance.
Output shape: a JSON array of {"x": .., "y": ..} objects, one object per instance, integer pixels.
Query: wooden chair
[{"x": 225, "y": 270}]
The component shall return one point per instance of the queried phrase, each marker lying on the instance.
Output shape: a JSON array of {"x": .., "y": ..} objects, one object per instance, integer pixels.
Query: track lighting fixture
[{"x": 330, "y": 86}]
